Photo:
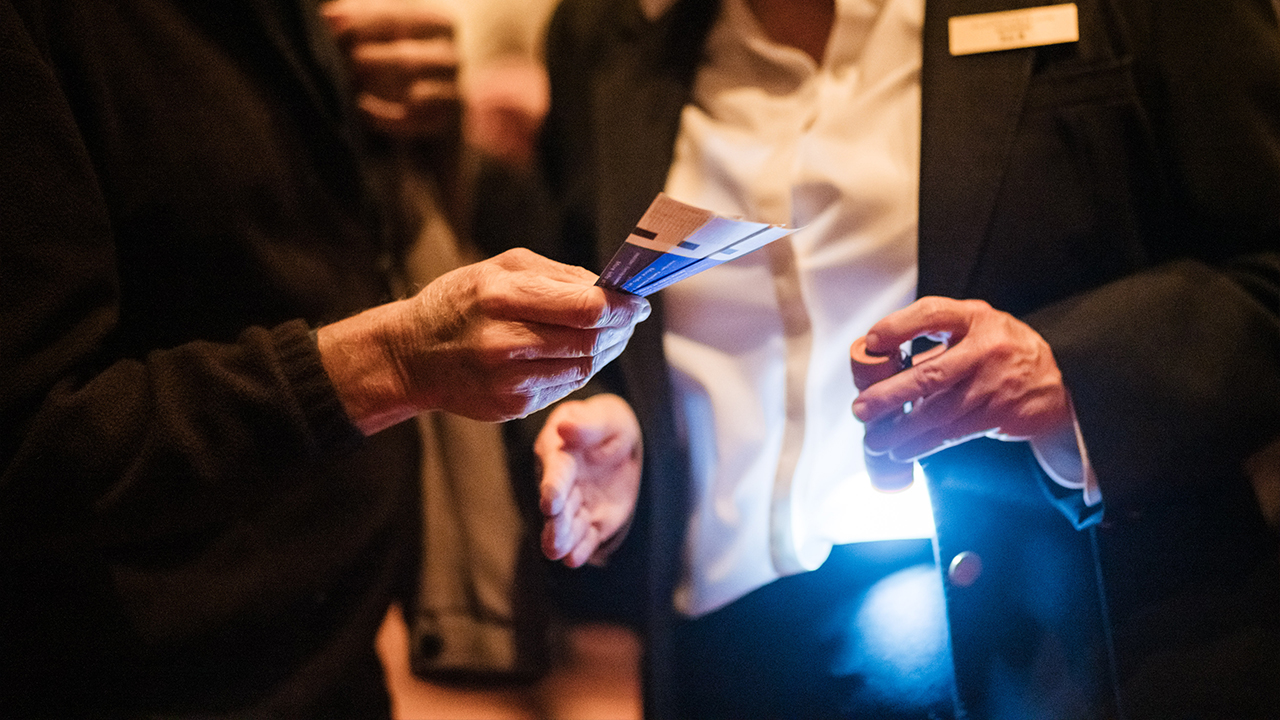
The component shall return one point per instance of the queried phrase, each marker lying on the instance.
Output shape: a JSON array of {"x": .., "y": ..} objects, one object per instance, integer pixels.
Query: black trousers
[{"x": 864, "y": 636}]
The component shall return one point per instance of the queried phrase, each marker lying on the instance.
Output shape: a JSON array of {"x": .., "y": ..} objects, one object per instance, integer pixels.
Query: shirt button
[{"x": 965, "y": 569}]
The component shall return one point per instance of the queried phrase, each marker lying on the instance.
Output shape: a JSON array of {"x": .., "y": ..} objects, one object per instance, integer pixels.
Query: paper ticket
[{"x": 674, "y": 241}]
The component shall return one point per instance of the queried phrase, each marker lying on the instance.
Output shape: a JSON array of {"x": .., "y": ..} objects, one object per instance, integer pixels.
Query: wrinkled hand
[
  {"x": 492, "y": 341},
  {"x": 405, "y": 63},
  {"x": 591, "y": 455},
  {"x": 998, "y": 378},
  {"x": 508, "y": 336}
]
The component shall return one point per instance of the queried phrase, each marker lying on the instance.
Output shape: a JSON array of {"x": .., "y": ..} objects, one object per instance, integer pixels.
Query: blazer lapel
[
  {"x": 970, "y": 107},
  {"x": 637, "y": 103}
]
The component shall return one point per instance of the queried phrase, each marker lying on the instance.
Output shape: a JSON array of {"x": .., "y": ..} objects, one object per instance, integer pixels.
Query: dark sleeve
[
  {"x": 1175, "y": 371},
  {"x": 88, "y": 433}
]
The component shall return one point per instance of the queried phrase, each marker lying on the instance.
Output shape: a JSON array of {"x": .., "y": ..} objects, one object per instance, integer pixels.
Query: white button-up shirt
[{"x": 759, "y": 348}]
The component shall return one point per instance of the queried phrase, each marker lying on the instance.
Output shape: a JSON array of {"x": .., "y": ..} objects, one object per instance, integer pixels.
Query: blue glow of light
[
  {"x": 904, "y": 648},
  {"x": 902, "y": 619}
]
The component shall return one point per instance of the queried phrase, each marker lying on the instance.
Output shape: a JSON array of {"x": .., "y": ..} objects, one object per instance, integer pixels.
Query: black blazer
[{"x": 1120, "y": 195}]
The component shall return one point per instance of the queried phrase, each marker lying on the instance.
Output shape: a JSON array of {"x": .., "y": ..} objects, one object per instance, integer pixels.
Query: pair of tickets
[{"x": 674, "y": 241}]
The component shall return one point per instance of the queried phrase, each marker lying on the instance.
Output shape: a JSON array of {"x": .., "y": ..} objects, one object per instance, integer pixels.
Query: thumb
[{"x": 559, "y": 471}]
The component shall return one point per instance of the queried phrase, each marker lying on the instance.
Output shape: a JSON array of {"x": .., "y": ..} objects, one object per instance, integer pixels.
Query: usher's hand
[
  {"x": 492, "y": 341},
  {"x": 591, "y": 455},
  {"x": 997, "y": 378},
  {"x": 405, "y": 63}
]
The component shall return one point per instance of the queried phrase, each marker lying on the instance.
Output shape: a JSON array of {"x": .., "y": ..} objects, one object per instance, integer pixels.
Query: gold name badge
[{"x": 1029, "y": 27}]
